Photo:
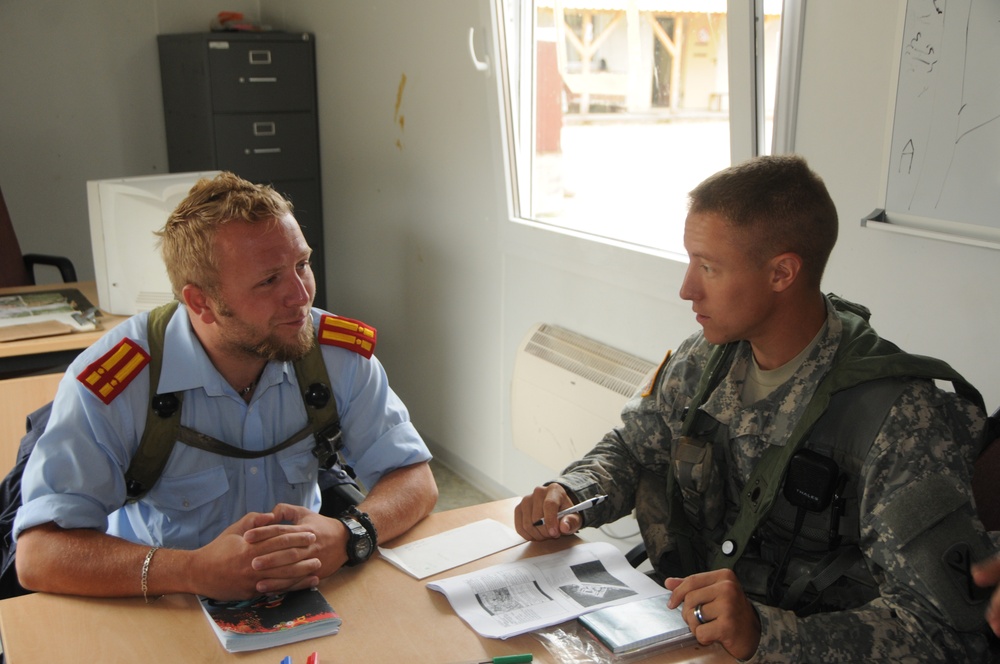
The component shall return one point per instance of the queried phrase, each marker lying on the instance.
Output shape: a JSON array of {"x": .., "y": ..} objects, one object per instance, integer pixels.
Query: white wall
[
  {"x": 418, "y": 238},
  {"x": 418, "y": 242},
  {"x": 80, "y": 100},
  {"x": 930, "y": 297},
  {"x": 412, "y": 200}
]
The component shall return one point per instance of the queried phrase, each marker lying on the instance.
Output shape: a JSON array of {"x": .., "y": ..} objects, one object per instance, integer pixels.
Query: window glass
[{"x": 618, "y": 108}]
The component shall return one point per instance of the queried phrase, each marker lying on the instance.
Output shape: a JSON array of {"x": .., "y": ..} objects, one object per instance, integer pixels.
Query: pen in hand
[{"x": 579, "y": 507}]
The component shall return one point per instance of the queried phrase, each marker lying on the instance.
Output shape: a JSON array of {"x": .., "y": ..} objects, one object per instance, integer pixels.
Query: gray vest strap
[{"x": 823, "y": 574}]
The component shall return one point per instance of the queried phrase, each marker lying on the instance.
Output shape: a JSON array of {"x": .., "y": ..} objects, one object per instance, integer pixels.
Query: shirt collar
[
  {"x": 774, "y": 417},
  {"x": 186, "y": 365}
]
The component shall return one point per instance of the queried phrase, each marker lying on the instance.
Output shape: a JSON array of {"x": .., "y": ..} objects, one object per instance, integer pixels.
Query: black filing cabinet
[{"x": 246, "y": 102}]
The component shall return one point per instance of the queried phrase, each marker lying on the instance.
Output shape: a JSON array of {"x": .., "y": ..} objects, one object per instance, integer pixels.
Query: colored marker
[{"x": 506, "y": 659}]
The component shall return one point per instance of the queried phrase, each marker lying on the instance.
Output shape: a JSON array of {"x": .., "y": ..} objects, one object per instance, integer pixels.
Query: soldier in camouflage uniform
[{"x": 880, "y": 570}]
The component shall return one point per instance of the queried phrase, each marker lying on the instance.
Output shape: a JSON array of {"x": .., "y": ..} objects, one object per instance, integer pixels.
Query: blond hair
[{"x": 187, "y": 239}]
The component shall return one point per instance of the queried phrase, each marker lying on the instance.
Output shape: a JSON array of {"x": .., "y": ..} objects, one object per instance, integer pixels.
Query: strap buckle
[{"x": 329, "y": 440}]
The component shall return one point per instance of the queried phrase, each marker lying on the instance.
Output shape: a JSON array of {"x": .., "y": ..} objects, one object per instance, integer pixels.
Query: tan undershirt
[{"x": 759, "y": 383}]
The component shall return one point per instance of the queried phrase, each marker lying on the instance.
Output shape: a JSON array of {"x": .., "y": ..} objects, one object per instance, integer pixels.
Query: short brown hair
[
  {"x": 776, "y": 204},
  {"x": 186, "y": 241}
]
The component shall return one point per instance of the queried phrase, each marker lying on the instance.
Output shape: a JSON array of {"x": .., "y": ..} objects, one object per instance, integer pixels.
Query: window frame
[{"x": 745, "y": 44}]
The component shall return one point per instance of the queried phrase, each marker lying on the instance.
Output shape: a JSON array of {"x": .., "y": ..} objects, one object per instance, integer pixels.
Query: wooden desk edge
[{"x": 182, "y": 612}]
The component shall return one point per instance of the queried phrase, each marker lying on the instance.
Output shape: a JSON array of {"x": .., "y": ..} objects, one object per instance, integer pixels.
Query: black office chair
[{"x": 17, "y": 269}]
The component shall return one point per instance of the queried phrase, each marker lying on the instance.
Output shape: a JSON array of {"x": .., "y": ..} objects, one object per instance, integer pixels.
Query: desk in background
[
  {"x": 45, "y": 353},
  {"x": 389, "y": 618}
]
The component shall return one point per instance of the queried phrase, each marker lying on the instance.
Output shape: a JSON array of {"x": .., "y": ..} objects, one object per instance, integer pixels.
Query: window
[{"x": 616, "y": 109}]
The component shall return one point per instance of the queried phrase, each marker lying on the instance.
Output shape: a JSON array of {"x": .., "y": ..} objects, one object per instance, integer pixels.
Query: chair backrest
[
  {"x": 13, "y": 271},
  {"x": 986, "y": 476}
]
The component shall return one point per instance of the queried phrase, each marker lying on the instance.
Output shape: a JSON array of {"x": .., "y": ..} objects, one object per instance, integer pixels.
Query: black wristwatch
[{"x": 362, "y": 537}]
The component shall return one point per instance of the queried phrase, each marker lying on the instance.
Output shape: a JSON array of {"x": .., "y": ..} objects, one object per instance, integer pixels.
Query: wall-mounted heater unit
[{"x": 567, "y": 392}]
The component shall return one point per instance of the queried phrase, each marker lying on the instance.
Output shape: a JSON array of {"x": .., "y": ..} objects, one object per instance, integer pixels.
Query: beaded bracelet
[{"x": 145, "y": 574}]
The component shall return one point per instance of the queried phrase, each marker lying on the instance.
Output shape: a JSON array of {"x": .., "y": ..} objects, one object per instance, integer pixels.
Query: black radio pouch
[
  {"x": 811, "y": 483},
  {"x": 811, "y": 480}
]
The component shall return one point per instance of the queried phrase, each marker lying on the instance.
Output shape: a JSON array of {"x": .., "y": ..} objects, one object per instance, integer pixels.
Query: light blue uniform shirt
[{"x": 75, "y": 476}]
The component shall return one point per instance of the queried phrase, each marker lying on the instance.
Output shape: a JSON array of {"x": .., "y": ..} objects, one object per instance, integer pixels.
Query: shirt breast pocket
[
  {"x": 184, "y": 493},
  {"x": 185, "y": 507},
  {"x": 300, "y": 468}
]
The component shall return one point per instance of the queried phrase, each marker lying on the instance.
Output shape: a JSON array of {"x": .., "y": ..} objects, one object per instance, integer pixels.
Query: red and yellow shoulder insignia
[
  {"x": 655, "y": 376},
  {"x": 347, "y": 333},
  {"x": 109, "y": 376}
]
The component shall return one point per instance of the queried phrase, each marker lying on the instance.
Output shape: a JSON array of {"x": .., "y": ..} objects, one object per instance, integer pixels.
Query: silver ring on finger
[{"x": 698, "y": 615}]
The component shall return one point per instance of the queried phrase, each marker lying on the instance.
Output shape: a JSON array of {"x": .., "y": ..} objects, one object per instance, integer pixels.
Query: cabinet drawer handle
[
  {"x": 264, "y": 129},
  {"x": 259, "y": 79},
  {"x": 260, "y": 57},
  {"x": 262, "y": 151}
]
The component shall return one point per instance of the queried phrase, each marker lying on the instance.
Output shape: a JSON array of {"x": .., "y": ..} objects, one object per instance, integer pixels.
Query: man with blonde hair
[{"x": 234, "y": 513}]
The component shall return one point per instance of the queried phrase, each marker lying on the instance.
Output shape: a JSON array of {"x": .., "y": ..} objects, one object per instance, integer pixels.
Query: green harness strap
[
  {"x": 163, "y": 418},
  {"x": 715, "y": 369}
]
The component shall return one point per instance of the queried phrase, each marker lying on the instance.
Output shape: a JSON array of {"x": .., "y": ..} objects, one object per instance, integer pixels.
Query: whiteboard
[{"x": 944, "y": 156}]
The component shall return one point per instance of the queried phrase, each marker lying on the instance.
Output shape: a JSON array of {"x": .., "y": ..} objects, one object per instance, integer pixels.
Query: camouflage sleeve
[
  {"x": 641, "y": 445},
  {"x": 639, "y": 449},
  {"x": 916, "y": 517}
]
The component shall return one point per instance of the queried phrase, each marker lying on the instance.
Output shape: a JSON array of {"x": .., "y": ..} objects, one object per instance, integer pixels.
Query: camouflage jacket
[{"x": 919, "y": 466}]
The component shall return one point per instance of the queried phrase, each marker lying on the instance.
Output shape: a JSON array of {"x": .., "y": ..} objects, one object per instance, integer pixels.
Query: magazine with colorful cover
[{"x": 270, "y": 620}]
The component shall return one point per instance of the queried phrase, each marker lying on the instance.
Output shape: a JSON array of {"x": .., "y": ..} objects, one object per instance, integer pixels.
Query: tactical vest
[{"x": 842, "y": 420}]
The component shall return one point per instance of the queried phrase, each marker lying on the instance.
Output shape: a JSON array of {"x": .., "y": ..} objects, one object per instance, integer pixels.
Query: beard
[
  {"x": 271, "y": 348},
  {"x": 244, "y": 339}
]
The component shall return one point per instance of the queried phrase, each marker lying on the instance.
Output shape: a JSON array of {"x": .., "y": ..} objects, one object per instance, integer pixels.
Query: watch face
[
  {"x": 363, "y": 547},
  {"x": 360, "y": 546}
]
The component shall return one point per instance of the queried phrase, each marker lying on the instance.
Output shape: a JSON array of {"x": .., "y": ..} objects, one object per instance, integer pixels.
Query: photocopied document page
[
  {"x": 431, "y": 555},
  {"x": 514, "y": 598}
]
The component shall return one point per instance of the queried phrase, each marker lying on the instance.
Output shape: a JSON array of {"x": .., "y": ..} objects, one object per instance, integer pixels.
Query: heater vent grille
[
  {"x": 567, "y": 392},
  {"x": 609, "y": 367}
]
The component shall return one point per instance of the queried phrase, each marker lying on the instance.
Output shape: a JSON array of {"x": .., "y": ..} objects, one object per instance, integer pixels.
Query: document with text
[{"x": 514, "y": 598}]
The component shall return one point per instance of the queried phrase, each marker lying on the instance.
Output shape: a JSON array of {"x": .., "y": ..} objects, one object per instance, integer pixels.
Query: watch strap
[
  {"x": 356, "y": 532},
  {"x": 362, "y": 517}
]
